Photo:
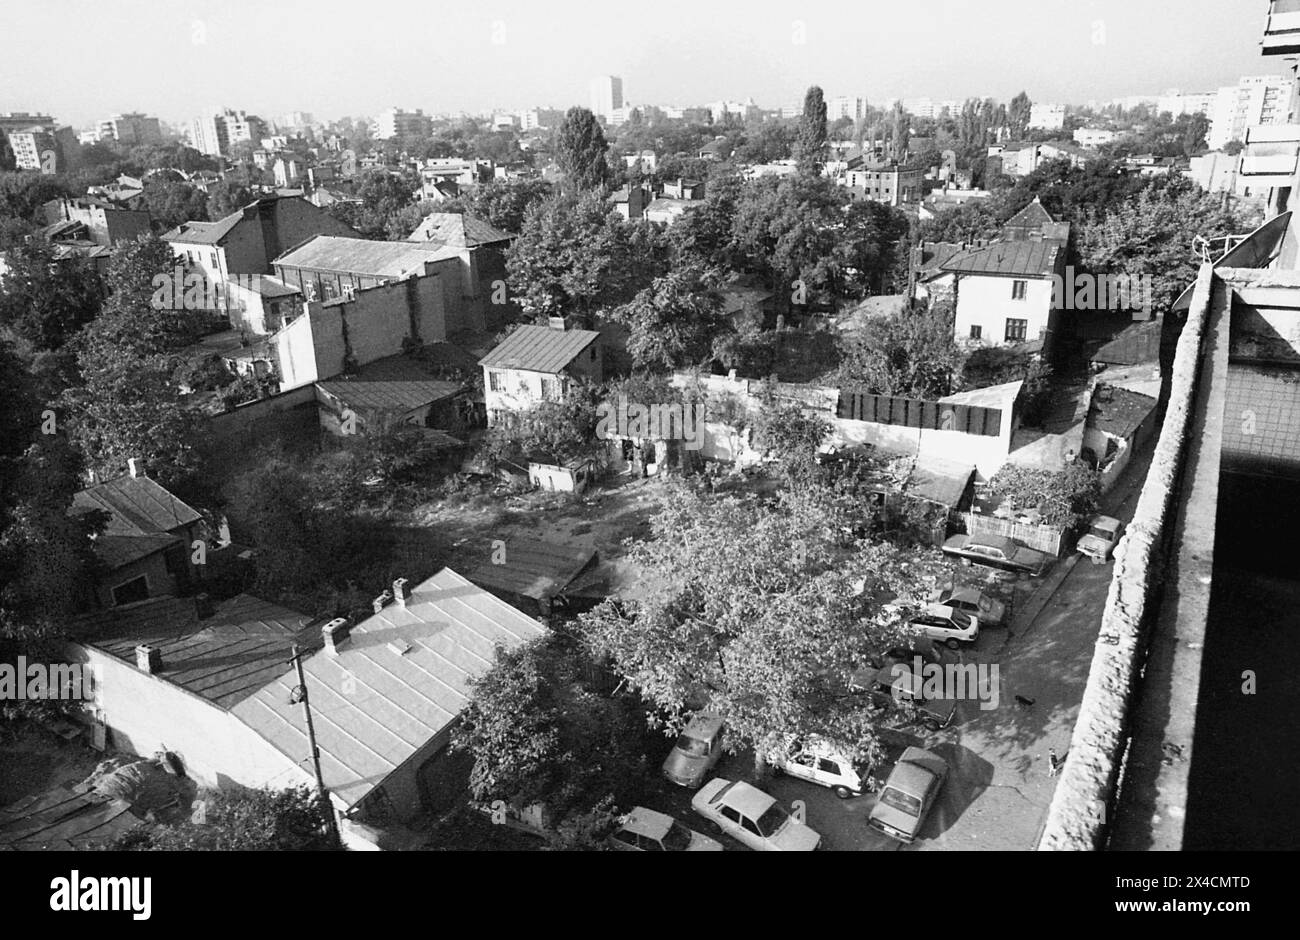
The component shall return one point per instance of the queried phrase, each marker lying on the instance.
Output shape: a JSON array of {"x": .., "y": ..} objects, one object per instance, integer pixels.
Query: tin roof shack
[
  {"x": 1119, "y": 422},
  {"x": 935, "y": 490},
  {"x": 539, "y": 576},
  {"x": 145, "y": 549},
  {"x": 394, "y": 389}
]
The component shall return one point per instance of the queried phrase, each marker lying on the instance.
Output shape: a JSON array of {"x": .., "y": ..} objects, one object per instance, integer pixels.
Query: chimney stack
[
  {"x": 555, "y": 323},
  {"x": 378, "y": 603},
  {"x": 202, "y": 606},
  {"x": 148, "y": 659},
  {"x": 335, "y": 634},
  {"x": 135, "y": 466},
  {"x": 400, "y": 592}
]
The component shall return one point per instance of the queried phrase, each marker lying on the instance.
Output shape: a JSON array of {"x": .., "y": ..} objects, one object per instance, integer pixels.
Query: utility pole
[{"x": 299, "y": 694}]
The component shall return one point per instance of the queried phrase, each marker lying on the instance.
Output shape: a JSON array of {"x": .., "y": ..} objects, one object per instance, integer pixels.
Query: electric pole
[{"x": 299, "y": 694}]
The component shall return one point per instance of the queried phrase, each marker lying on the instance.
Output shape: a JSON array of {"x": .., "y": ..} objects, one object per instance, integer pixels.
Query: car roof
[
  {"x": 750, "y": 800},
  {"x": 993, "y": 541},
  {"x": 910, "y": 778},
  {"x": 647, "y": 822},
  {"x": 1105, "y": 522},
  {"x": 965, "y": 593}
]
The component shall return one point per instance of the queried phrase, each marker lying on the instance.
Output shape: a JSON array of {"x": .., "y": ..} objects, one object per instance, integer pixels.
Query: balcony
[{"x": 1282, "y": 32}]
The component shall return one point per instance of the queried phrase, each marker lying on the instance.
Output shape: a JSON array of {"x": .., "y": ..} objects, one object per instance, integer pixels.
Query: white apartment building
[
  {"x": 28, "y": 145},
  {"x": 132, "y": 128},
  {"x": 1256, "y": 100},
  {"x": 1179, "y": 103},
  {"x": 846, "y": 106},
  {"x": 607, "y": 96},
  {"x": 1093, "y": 137},
  {"x": 396, "y": 122},
  {"x": 1047, "y": 117},
  {"x": 214, "y": 134}
]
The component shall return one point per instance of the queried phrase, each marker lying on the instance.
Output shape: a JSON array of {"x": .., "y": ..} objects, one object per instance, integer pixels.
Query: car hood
[
  {"x": 677, "y": 764},
  {"x": 1093, "y": 543},
  {"x": 795, "y": 837},
  {"x": 1031, "y": 557}
]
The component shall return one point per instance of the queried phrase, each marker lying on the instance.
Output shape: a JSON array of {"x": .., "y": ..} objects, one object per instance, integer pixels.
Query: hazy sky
[{"x": 84, "y": 59}]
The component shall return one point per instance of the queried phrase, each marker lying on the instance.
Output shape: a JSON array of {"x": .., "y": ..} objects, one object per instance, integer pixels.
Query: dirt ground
[{"x": 33, "y": 760}]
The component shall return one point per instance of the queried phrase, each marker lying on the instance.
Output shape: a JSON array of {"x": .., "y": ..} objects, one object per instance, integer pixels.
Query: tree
[
  {"x": 1198, "y": 126},
  {"x": 228, "y": 196},
  {"x": 171, "y": 204},
  {"x": 1019, "y": 113},
  {"x": 907, "y": 354},
  {"x": 580, "y": 150},
  {"x": 1064, "y": 498},
  {"x": 505, "y": 203},
  {"x": 265, "y": 820},
  {"x": 23, "y": 194},
  {"x": 45, "y": 302},
  {"x": 810, "y": 146},
  {"x": 791, "y": 436},
  {"x": 674, "y": 322},
  {"x": 760, "y": 613},
  {"x": 559, "y": 430}
]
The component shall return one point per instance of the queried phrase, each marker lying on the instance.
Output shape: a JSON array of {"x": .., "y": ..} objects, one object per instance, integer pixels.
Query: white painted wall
[{"x": 987, "y": 302}]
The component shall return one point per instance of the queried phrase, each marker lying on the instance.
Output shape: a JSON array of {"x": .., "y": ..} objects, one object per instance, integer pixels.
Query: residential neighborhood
[{"x": 847, "y": 471}]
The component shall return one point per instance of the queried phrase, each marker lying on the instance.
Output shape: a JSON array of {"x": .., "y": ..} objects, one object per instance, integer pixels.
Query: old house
[{"x": 538, "y": 363}]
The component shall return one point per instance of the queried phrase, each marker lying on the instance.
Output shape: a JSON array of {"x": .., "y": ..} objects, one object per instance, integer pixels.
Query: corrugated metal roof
[
  {"x": 116, "y": 551},
  {"x": 991, "y": 396},
  {"x": 204, "y": 233},
  {"x": 539, "y": 349},
  {"x": 939, "y": 481},
  {"x": 137, "y": 505},
  {"x": 224, "y": 658},
  {"x": 394, "y": 383},
  {"x": 360, "y": 256},
  {"x": 1007, "y": 258},
  {"x": 373, "y": 707},
  {"x": 533, "y": 568},
  {"x": 459, "y": 230}
]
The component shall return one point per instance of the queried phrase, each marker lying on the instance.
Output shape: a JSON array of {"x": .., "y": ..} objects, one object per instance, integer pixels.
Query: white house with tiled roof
[{"x": 536, "y": 364}]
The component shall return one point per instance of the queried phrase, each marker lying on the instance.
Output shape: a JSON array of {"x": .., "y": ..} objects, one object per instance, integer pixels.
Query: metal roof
[
  {"x": 1008, "y": 258},
  {"x": 360, "y": 256},
  {"x": 117, "y": 551},
  {"x": 224, "y": 658},
  {"x": 204, "y": 233},
  {"x": 459, "y": 230},
  {"x": 539, "y": 349},
  {"x": 373, "y": 705},
  {"x": 939, "y": 481},
  {"x": 533, "y": 568},
  {"x": 137, "y": 505},
  {"x": 1118, "y": 411},
  {"x": 394, "y": 383}
]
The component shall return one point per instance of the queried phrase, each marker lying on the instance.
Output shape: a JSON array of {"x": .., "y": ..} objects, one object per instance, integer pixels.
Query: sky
[{"x": 80, "y": 60}]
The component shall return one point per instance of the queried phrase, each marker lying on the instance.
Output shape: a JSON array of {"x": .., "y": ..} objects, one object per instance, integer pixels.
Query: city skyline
[{"x": 513, "y": 57}]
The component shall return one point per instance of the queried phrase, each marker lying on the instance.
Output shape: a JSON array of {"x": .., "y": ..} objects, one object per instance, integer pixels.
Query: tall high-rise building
[
  {"x": 131, "y": 128},
  {"x": 396, "y": 122},
  {"x": 607, "y": 96},
  {"x": 846, "y": 106},
  {"x": 1255, "y": 100},
  {"x": 214, "y": 134}
]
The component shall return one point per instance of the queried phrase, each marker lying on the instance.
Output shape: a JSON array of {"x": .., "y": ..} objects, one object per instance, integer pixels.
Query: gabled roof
[
  {"x": 223, "y": 658},
  {"x": 361, "y": 256},
  {"x": 539, "y": 349},
  {"x": 136, "y": 505},
  {"x": 398, "y": 681},
  {"x": 459, "y": 230},
  {"x": 1118, "y": 411},
  {"x": 533, "y": 568},
  {"x": 1008, "y": 259},
  {"x": 1031, "y": 216},
  {"x": 991, "y": 396},
  {"x": 204, "y": 233},
  {"x": 394, "y": 383}
]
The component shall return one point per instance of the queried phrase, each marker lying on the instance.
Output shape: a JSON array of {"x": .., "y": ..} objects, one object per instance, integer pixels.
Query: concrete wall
[
  {"x": 257, "y": 419},
  {"x": 1083, "y": 803}
]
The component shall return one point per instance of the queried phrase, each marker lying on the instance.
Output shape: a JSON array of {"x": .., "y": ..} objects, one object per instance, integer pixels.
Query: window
[
  {"x": 976, "y": 332},
  {"x": 828, "y": 767},
  {"x": 550, "y": 388},
  {"x": 496, "y": 382},
  {"x": 1016, "y": 330},
  {"x": 137, "y": 589},
  {"x": 1018, "y": 289},
  {"x": 751, "y": 826},
  {"x": 730, "y": 812}
]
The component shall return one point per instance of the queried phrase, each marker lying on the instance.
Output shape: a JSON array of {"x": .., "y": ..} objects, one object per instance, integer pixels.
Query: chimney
[
  {"x": 135, "y": 466},
  {"x": 148, "y": 659},
  {"x": 400, "y": 592},
  {"x": 202, "y": 606},
  {"x": 555, "y": 323},
  {"x": 378, "y": 603},
  {"x": 335, "y": 634}
]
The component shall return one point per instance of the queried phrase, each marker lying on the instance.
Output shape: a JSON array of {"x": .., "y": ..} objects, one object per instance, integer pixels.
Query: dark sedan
[{"x": 996, "y": 551}]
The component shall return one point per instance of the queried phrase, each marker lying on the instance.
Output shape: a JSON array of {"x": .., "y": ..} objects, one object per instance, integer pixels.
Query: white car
[
  {"x": 990, "y": 611},
  {"x": 1099, "y": 542},
  {"x": 752, "y": 817},
  {"x": 950, "y": 626},
  {"x": 644, "y": 830},
  {"x": 818, "y": 762}
]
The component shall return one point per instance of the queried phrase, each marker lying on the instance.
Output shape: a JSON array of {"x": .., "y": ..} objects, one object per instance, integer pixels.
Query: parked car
[
  {"x": 899, "y": 684},
  {"x": 644, "y": 830},
  {"x": 909, "y": 794},
  {"x": 752, "y": 817},
  {"x": 1099, "y": 542},
  {"x": 949, "y": 626},
  {"x": 990, "y": 611},
  {"x": 921, "y": 646},
  {"x": 696, "y": 751},
  {"x": 816, "y": 761},
  {"x": 996, "y": 551}
]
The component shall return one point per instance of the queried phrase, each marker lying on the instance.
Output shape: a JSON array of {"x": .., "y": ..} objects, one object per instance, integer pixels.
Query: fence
[
  {"x": 916, "y": 413},
  {"x": 1045, "y": 538}
]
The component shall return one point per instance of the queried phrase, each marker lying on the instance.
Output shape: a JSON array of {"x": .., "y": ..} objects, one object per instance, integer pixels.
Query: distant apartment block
[
  {"x": 1093, "y": 137},
  {"x": 29, "y": 144},
  {"x": 397, "y": 123},
  {"x": 1178, "y": 103},
  {"x": 215, "y": 134},
  {"x": 892, "y": 185},
  {"x": 607, "y": 96},
  {"x": 1047, "y": 117},
  {"x": 131, "y": 128},
  {"x": 22, "y": 120},
  {"x": 846, "y": 106},
  {"x": 1254, "y": 101},
  {"x": 532, "y": 119}
]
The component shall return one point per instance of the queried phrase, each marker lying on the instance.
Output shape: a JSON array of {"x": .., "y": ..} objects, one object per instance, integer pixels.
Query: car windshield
[
  {"x": 961, "y": 619},
  {"x": 1098, "y": 532},
  {"x": 677, "y": 838},
  {"x": 693, "y": 747},
  {"x": 901, "y": 801},
  {"x": 772, "y": 820}
]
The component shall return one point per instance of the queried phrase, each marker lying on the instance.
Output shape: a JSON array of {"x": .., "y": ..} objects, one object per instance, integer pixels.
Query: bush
[{"x": 1065, "y": 498}]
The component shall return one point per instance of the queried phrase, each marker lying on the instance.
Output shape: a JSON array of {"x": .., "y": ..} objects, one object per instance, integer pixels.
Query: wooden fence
[
  {"x": 1045, "y": 538},
  {"x": 917, "y": 413}
]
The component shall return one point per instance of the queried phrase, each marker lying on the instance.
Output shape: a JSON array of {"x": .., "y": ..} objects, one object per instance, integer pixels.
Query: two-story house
[{"x": 538, "y": 363}]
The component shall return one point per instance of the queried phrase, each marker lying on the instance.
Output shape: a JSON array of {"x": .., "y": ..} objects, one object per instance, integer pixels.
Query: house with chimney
[
  {"x": 213, "y": 684},
  {"x": 536, "y": 364},
  {"x": 147, "y": 548},
  {"x": 1007, "y": 292}
]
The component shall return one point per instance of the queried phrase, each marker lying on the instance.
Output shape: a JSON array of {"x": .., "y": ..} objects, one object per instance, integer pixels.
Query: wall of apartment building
[
  {"x": 987, "y": 302},
  {"x": 294, "y": 221}
]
